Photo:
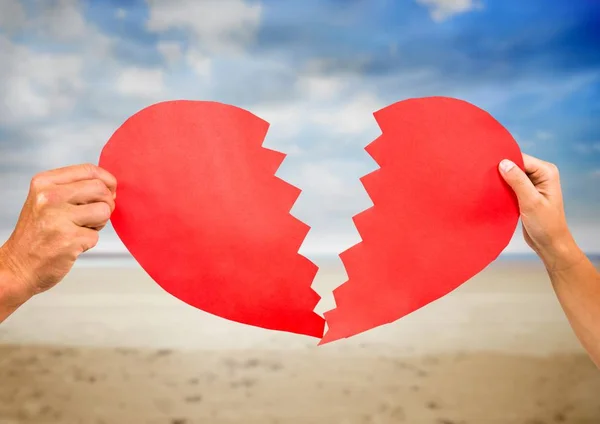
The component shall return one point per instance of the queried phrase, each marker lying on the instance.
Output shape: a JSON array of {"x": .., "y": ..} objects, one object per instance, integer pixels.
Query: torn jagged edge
[
  {"x": 368, "y": 148},
  {"x": 274, "y": 163}
]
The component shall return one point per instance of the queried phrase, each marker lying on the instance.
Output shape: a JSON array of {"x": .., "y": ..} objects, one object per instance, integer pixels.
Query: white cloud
[
  {"x": 284, "y": 119},
  {"x": 37, "y": 85},
  {"x": 586, "y": 149},
  {"x": 331, "y": 195},
  {"x": 121, "y": 13},
  {"x": 214, "y": 24},
  {"x": 309, "y": 109},
  {"x": 544, "y": 135},
  {"x": 547, "y": 92},
  {"x": 336, "y": 182},
  {"x": 13, "y": 15},
  {"x": 320, "y": 103},
  {"x": 21, "y": 101},
  {"x": 524, "y": 143},
  {"x": 321, "y": 179},
  {"x": 324, "y": 116},
  {"x": 66, "y": 143},
  {"x": 539, "y": 136},
  {"x": 45, "y": 84},
  {"x": 48, "y": 94},
  {"x": 171, "y": 50},
  {"x": 339, "y": 118},
  {"x": 62, "y": 20},
  {"x": 55, "y": 21},
  {"x": 321, "y": 87},
  {"x": 353, "y": 117},
  {"x": 440, "y": 10},
  {"x": 200, "y": 63},
  {"x": 213, "y": 27},
  {"x": 139, "y": 82}
]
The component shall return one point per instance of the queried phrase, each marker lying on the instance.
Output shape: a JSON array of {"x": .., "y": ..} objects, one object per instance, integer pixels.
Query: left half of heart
[{"x": 201, "y": 210}]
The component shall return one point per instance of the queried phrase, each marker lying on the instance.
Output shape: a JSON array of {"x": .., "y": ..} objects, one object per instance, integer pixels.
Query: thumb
[{"x": 519, "y": 182}]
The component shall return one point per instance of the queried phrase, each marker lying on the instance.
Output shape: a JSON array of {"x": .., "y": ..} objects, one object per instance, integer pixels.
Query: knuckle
[
  {"x": 100, "y": 187},
  {"x": 106, "y": 194},
  {"x": 90, "y": 241},
  {"x": 105, "y": 211},
  {"x": 553, "y": 170},
  {"x": 72, "y": 253},
  {"x": 66, "y": 243},
  {"x": 90, "y": 169},
  {"x": 41, "y": 199},
  {"x": 38, "y": 182},
  {"x": 44, "y": 193},
  {"x": 48, "y": 196},
  {"x": 68, "y": 233}
]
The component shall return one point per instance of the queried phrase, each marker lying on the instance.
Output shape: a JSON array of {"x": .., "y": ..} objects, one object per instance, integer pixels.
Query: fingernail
[{"x": 506, "y": 165}]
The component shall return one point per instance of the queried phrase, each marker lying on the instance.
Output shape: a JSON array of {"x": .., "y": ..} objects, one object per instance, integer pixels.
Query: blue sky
[{"x": 72, "y": 71}]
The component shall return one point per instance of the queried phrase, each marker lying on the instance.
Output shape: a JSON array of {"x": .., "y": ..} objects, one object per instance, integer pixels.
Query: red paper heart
[
  {"x": 200, "y": 209},
  {"x": 441, "y": 212}
]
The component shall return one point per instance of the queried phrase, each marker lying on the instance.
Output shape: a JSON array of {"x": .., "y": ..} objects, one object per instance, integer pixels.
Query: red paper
[
  {"x": 441, "y": 212},
  {"x": 200, "y": 209}
]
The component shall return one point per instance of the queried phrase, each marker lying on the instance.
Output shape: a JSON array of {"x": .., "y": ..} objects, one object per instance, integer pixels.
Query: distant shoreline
[
  {"x": 125, "y": 260},
  {"x": 595, "y": 257}
]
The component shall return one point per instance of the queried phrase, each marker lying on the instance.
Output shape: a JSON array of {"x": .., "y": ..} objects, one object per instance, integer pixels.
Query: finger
[
  {"x": 88, "y": 171},
  {"x": 88, "y": 191},
  {"x": 518, "y": 180},
  {"x": 91, "y": 215},
  {"x": 87, "y": 238},
  {"x": 544, "y": 175},
  {"x": 532, "y": 164}
]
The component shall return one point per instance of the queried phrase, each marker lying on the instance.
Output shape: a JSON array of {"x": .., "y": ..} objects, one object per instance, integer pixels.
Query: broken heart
[
  {"x": 201, "y": 210},
  {"x": 441, "y": 212}
]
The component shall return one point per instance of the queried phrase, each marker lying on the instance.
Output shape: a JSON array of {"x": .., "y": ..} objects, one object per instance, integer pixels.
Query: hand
[
  {"x": 61, "y": 218},
  {"x": 542, "y": 212}
]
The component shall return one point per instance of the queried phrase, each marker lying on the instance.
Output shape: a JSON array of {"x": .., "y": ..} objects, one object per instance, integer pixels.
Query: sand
[
  {"x": 62, "y": 385},
  {"x": 109, "y": 346}
]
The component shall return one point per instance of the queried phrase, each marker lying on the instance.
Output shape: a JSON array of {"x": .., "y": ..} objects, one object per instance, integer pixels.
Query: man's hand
[
  {"x": 61, "y": 218},
  {"x": 542, "y": 212}
]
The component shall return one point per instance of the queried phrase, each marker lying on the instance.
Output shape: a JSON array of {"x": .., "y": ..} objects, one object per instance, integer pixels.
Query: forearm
[
  {"x": 12, "y": 291},
  {"x": 577, "y": 285}
]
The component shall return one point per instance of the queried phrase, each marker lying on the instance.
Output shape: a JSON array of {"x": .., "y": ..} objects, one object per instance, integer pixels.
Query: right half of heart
[{"x": 441, "y": 212}]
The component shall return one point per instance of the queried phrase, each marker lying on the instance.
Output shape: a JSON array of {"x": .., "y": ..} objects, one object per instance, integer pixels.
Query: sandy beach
[{"x": 109, "y": 346}]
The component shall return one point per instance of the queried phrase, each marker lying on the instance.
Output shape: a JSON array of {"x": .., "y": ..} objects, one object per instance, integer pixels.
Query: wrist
[{"x": 562, "y": 254}]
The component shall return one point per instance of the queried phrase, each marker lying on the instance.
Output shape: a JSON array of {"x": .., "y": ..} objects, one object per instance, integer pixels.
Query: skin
[
  {"x": 574, "y": 278},
  {"x": 62, "y": 216},
  {"x": 66, "y": 208}
]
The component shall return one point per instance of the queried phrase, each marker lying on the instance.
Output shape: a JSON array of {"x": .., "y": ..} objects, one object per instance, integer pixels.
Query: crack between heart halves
[{"x": 331, "y": 333}]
